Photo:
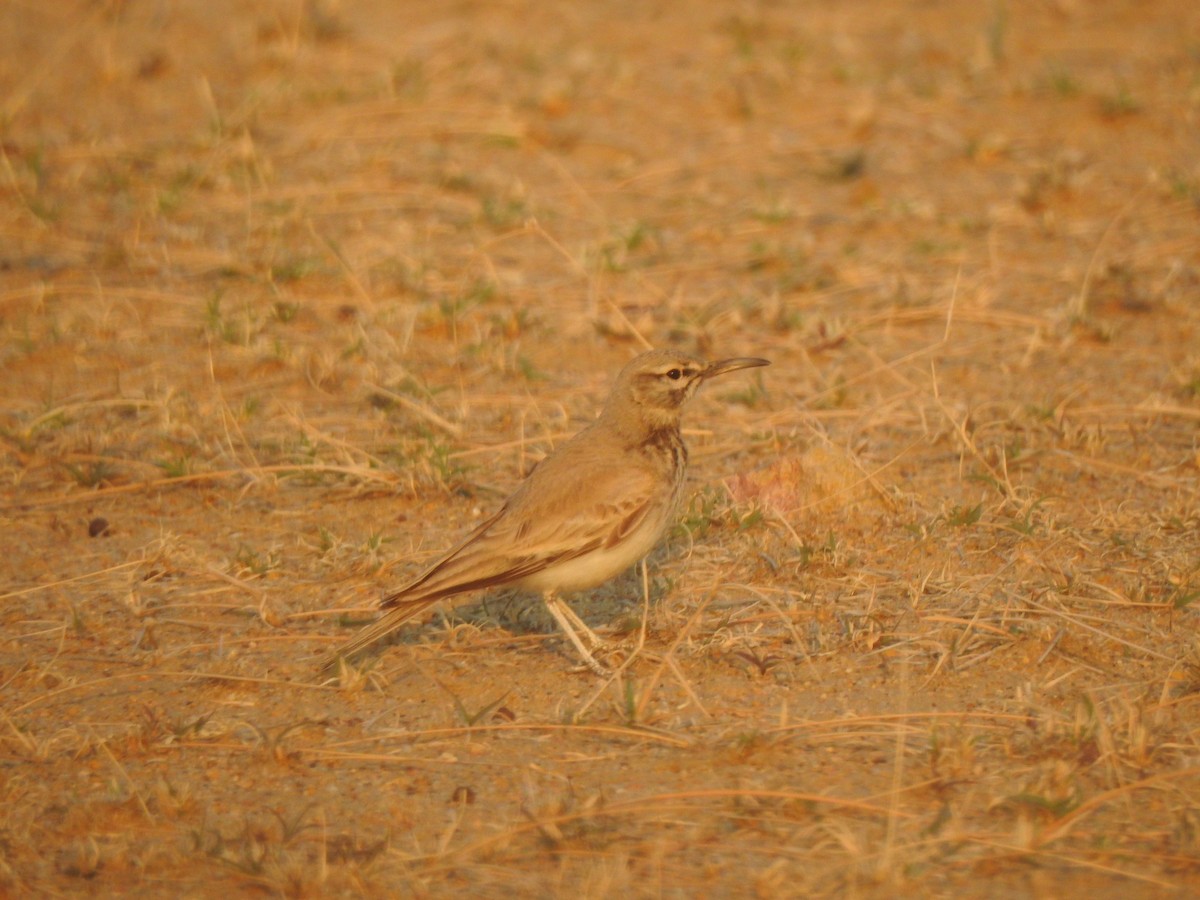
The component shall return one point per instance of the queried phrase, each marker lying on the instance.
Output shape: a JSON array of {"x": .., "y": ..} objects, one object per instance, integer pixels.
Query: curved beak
[{"x": 732, "y": 365}]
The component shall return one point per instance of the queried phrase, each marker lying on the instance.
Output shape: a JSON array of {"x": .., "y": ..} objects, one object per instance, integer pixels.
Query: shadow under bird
[{"x": 586, "y": 513}]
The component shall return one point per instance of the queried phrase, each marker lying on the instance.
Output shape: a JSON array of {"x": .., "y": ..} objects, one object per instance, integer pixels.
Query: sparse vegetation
[{"x": 288, "y": 304}]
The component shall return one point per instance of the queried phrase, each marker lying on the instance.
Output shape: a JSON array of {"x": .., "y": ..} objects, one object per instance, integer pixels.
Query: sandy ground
[{"x": 292, "y": 294}]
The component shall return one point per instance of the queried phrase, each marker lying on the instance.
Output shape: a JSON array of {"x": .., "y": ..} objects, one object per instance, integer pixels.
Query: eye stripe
[{"x": 678, "y": 372}]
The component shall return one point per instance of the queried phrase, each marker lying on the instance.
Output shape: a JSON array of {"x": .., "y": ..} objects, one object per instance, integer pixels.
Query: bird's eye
[{"x": 674, "y": 374}]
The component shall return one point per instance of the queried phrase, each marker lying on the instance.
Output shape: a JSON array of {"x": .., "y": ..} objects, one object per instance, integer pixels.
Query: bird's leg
[
  {"x": 594, "y": 640},
  {"x": 571, "y": 625}
]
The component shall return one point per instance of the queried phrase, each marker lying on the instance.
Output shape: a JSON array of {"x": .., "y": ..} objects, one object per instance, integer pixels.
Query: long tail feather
[{"x": 378, "y": 630}]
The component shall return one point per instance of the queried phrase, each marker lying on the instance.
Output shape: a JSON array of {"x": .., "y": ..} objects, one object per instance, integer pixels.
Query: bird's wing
[
  {"x": 531, "y": 533},
  {"x": 416, "y": 587}
]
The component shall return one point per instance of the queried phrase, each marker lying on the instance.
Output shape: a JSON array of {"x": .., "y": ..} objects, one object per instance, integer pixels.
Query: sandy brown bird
[{"x": 586, "y": 513}]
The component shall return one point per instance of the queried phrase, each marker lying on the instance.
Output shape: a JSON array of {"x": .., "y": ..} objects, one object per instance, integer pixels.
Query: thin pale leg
[
  {"x": 594, "y": 640},
  {"x": 568, "y": 621}
]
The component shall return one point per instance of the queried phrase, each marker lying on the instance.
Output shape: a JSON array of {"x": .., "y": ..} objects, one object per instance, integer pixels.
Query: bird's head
[{"x": 654, "y": 387}]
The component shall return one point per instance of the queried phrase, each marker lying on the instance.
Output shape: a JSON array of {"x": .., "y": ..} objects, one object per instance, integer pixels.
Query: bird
[{"x": 587, "y": 512}]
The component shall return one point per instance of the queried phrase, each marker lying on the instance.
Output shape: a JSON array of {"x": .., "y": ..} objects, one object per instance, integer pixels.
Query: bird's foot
[{"x": 593, "y": 665}]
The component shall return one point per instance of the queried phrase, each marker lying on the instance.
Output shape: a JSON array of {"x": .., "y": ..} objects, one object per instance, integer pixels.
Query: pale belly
[{"x": 598, "y": 566}]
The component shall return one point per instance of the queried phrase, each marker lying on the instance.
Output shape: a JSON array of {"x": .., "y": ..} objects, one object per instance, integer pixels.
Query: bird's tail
[{"x": 379, "y": 629}]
